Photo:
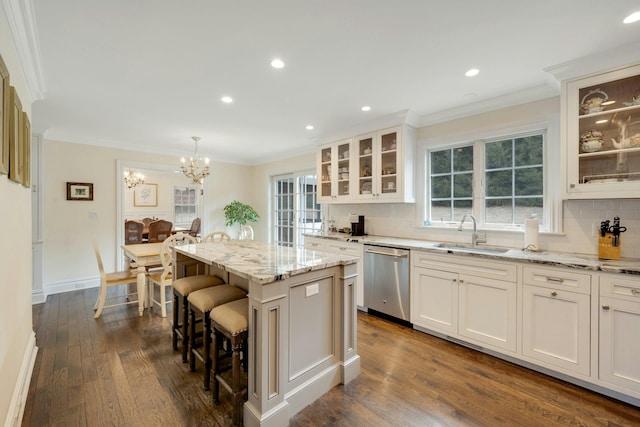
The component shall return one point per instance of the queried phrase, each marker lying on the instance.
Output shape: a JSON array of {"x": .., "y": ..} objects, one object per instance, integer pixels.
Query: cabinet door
[
  {"x": 387, "y": 182},
  {"x": 434, "y": 300},
  {"x": 326, "y": 173},
  {"x": 619, "y": 343},
  {"x": 603, "y": 134},
  {"x": 365, "y": 146},
  {"x": 488, "y": 311},
  {"x": 556, "y": 327},
  {"x": 334, "y": 172}
]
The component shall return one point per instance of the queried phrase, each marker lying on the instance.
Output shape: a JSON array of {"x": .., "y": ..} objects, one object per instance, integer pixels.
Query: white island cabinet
[
  {"x": 302, "y": 321},
  {"x": 620, "y": 332},
  {"x": 601, "y": 135}
]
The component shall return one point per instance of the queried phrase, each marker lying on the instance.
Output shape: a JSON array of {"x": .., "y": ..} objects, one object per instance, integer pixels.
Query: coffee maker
[{"x": 357, "y": 224}]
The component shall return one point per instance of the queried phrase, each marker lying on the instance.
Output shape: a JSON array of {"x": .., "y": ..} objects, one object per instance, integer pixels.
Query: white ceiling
[{"x": 148, "y": 74}]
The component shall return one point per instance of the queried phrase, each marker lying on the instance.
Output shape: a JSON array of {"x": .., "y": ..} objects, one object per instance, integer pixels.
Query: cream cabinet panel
[
  {"x": 340, "y": 247},
  {"x": 601, "y": 134},
  {"x": 434, "y": 300},
  {"x": 487, "y": 311},
  {"x": 619, "y": 355},
  {"x": 556, "y": 328}
]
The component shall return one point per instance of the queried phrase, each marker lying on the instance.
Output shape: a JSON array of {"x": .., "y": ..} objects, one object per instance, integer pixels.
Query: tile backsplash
[{"x": 581, "y": 220}]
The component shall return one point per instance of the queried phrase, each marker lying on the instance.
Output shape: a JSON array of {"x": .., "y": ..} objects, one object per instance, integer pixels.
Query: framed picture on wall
[
  {"x": 145, "y": 195},
  {"x": 15, "y": 138},
  {"x": 5, "y": 117},
  {"x": 79, "y": 191},
  {"x": 26, "y": 150}
]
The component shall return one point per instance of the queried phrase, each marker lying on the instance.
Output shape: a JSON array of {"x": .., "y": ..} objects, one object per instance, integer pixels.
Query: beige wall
[
  {"x": 15, "y": 253},
  {"x": 68, "y": 225}
]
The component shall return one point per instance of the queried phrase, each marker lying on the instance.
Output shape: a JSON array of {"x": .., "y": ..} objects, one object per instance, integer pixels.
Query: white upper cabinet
[
  {"x": 377, "y": 167},
  {"x": 601, "y": 135},
  {"x": 334, "y": 167}
]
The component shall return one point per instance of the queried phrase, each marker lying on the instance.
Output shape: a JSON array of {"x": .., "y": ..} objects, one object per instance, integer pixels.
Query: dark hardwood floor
[{"x": 120, "y": 370}]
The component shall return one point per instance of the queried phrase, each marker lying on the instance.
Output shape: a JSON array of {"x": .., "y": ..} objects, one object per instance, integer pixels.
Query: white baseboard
[
  {"x": 72, "y": 285},
  {"x": 21, "y": 387},
  {"x": 38, "y": 297}
]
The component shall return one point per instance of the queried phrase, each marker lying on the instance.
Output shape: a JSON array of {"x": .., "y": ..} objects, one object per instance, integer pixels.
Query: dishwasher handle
[{"x": 385, "y": 253}]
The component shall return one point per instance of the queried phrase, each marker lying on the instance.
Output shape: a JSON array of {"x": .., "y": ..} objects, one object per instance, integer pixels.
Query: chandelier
[
  {"x": 132, "y": 178},
  {"x": 195, "y": 169}
]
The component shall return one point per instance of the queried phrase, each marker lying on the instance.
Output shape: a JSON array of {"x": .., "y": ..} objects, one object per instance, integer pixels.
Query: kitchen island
[{"x": 302, "y": 320}]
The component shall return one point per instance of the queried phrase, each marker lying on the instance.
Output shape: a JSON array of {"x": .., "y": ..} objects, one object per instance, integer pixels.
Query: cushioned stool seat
[
  {"x": 202, "y": 302},
  {"x": 231, "y": 321},
  {"x": 181, "y": 289}
]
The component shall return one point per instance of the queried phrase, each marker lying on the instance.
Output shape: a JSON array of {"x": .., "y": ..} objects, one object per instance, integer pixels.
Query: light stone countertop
[
  {"x": 561, "y": 259},
  {"x": 260, "y": 262}
]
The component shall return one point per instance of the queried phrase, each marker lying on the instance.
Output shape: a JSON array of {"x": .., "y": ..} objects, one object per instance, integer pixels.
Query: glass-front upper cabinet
[
  {"x": 602, "y": 114},
  {"x": 334, "y": 165}
]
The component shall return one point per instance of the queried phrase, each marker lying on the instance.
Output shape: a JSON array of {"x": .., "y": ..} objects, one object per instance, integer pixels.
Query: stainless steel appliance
[{"x": 386, "y": 281}]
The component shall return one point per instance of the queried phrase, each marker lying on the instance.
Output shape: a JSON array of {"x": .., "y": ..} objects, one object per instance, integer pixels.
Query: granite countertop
[
  {"x": 561, "y": 259},
  {"x": 260, "y": 262}
]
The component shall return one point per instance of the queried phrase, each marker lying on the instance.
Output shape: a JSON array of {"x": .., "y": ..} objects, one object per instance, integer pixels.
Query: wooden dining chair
[
  {"x": 108, "y": 280},
  {"x": 133, "y": 232},
  {"x": 164, "y": 278},
  {"x": 195, "y": 228},
  {"x": 159, "y": 230},
  {"x": 216, "y": 236}
]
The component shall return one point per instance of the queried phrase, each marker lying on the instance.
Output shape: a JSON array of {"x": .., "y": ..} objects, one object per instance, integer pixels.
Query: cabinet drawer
[
  {"x": 557, "y": 278},
  {"x": 353, "y": 249},
  {"x": 620, "y": 286},
  {"x": 314, "y": 244},
  {"x": 465, "y": 264}
]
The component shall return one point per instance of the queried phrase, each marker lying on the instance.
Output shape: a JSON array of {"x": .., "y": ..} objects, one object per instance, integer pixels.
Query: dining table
[{"x": 145, "y": 255}]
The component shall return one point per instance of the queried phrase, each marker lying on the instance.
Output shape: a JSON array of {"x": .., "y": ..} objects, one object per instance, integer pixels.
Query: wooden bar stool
[
  {"x": 231, "y": 321},
  {"x": 181, "y": 290},
  {"x": 200, "y": 305}
]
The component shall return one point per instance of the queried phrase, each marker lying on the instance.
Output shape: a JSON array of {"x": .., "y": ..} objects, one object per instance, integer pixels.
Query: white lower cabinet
[
  {"x": 466, "y": 298},
  {"x": 487, "y": 311},
  {"x": 619, "y": 334},
  {"x": 344, "y": 248},
  {"x": 556, "y": 318},
  {"x": 434, "y": 300},
  {"x": 556, "y": 327}
]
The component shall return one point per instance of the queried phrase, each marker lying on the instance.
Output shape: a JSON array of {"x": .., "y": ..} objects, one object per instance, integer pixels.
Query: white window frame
[
  {"x": 298, "y": 240},
  {"x": 552, "y": 202}
]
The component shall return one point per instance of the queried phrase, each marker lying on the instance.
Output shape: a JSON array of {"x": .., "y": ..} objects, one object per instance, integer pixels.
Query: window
[
  {"x": 513, "y": 180},
  {"x": 185, "y": 206},
  {"x": 500, "y": 181},
  {"x": 296, "y": 210}
]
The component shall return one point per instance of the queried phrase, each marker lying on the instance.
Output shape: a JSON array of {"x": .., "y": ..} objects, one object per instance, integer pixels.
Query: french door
[{"x": 295, "y": 208}]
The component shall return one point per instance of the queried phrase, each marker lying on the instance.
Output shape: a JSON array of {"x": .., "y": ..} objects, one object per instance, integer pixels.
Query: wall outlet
[{"x": 312, "y": 289}]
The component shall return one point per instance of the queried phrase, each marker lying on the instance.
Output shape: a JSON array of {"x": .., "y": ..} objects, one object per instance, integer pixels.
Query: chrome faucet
[{"x": 474, "y": 237}]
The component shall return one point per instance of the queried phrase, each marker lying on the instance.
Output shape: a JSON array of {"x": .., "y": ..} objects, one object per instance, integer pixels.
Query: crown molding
[
  {"x": 22, "y": 25},
  {"x": 597, "y": 63},
  {"x": 515, "y": 98}
]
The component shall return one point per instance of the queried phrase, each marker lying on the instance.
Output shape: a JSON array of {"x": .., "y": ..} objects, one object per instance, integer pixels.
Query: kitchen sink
[{"x": 461, "y": 247}]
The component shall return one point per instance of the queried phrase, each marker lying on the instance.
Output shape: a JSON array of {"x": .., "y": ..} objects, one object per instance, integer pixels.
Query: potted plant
[{"x": 238, "y": 212}]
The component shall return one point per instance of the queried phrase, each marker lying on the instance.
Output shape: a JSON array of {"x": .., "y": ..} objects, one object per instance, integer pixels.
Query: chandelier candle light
[
  {"x": 132, "y": 178},
  {"x": 194, "y": 170}
]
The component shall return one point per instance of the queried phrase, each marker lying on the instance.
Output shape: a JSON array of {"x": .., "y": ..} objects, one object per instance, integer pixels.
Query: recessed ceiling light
[
  {"x": 227, "y": 99},
  {"x": 366, "y": 108},
  {"x": 277, "y": 63},
  {"x": 601, "y": 121},
  {"x": 309, "y": 127},
  {"x": 472, "y": 72},
  {"x": 635, "y": 16}
]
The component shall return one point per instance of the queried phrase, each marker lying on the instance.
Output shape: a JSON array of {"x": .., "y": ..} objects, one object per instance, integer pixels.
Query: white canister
[{"x": 531, "y": 234}]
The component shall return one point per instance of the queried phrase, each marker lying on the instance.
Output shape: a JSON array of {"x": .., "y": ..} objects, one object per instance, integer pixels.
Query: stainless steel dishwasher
[{"x": 386, "y": 281}]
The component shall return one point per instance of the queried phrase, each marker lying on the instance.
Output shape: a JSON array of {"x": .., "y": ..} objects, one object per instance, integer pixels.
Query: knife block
[{"x": 606, "y": 250}]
